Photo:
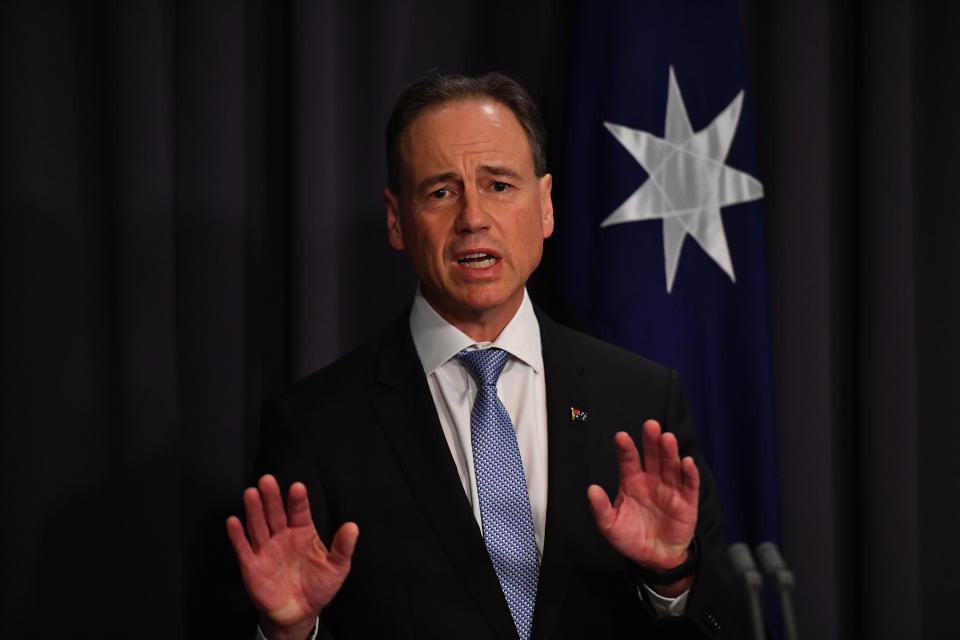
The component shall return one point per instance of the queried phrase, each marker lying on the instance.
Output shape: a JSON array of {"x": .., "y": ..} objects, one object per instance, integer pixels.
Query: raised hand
[
  {"x": 288, "y": 572},
  {"x": 653, "y": 517}
]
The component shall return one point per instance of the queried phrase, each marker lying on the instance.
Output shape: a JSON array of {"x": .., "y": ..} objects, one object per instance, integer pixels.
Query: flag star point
[{"x": 689, "y": 180}]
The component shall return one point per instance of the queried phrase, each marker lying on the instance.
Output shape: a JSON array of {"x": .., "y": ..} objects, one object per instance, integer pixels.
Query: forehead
[{"x": 464, "y": 130}]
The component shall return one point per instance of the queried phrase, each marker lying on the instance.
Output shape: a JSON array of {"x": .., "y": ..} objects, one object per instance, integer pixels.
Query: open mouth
[{"x": 478, "y": 260}]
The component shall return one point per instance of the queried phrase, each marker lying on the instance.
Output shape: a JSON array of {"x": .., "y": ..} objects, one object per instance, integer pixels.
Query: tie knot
[{"x": 485, "y": 365}]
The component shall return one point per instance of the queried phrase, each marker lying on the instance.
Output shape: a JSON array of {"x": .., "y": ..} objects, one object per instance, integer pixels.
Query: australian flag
[{"x": 660, "y": 225}]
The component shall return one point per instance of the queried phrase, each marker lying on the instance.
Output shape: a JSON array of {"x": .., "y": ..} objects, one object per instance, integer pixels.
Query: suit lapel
[
  {"x": 566, "y": 477},
  {"x": 409, "y": 418}
]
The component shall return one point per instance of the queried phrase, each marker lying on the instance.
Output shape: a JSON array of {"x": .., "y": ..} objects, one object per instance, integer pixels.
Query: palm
[
  {"x": 292, "y": 568},
  {"x": 653, "y": 517},
  {"x": 288, "y": 572}
]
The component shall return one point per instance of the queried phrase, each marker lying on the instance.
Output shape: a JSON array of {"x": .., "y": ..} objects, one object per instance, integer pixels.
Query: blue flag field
[{"x": 660, "y": 222}]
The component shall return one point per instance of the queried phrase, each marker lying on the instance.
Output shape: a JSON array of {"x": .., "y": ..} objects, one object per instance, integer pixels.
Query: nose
[{"x": 473, "y": 215}]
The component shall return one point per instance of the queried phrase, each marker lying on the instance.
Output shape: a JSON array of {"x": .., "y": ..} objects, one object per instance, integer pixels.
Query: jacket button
[{"x": 711, "y": 620}]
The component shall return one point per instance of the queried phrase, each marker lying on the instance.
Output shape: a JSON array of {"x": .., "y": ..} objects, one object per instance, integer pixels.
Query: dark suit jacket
[{"x": 364, "y": 436}]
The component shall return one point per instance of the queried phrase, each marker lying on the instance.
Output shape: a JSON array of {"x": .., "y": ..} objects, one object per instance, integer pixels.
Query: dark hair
[{"x": 434, "y": 89}]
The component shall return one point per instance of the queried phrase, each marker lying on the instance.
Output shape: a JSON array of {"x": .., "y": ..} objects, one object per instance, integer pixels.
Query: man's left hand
[{"x": 653, "y": 517}]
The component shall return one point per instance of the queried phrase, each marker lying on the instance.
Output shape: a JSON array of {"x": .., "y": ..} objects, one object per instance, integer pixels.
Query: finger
[
  {"x": 651, "y": 447},
  {"x": 343, "y": 544},
  {"x": 256, "y": 523},
  {"x": 241, "y": 546},
  {"x": 691, "y": 480},
  {"x": 628, "y": 458},
  {"x": 603, "y": 511},
  {"x": 273, "y": 503},
  {"x": 298, "y": 506},
  {"x": 670, "y": 461}
]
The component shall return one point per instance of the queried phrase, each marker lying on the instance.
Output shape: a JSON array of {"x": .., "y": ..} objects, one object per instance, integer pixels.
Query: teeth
[{"x": 478, "y": 260}]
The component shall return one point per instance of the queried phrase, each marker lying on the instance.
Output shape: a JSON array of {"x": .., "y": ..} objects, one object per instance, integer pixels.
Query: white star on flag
[{"x": 689, "y": 180}]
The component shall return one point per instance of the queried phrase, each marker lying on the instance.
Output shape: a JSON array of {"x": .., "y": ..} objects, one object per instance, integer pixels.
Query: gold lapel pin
[{"x": 576, "y": 415}]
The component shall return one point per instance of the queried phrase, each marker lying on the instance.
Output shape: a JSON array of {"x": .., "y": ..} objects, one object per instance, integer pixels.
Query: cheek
[
  {"x": 533, "y": 230},
  {"x": 430, "y": 244},
  {"x": 532, "y": 243}
]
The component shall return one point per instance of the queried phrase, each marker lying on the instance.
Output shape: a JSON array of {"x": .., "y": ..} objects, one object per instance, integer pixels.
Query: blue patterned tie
[{"x": 502, "y": 489}]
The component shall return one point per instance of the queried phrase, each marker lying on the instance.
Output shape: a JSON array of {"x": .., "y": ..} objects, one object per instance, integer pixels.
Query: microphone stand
[
  {"x": 745, "y": 567},
  {"x": 773, "y": 565}
]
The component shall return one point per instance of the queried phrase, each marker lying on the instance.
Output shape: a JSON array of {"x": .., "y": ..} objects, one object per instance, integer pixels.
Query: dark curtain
[
  {"x": 856, "y": 104},
  {"x": 191, "y": 218}
]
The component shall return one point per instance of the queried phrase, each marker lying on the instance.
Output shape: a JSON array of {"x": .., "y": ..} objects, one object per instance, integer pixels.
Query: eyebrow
[
  {"x": 499, "y": 171},
  {"x": 440, "y": 177}
]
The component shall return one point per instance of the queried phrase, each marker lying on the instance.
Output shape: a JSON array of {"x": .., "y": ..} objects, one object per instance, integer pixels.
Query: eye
[
  {"x": 439, "y": 194},
  {"x": 500, "y": 186}
]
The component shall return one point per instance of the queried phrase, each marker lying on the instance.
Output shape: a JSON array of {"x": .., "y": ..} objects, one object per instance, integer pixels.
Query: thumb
[
  {"x": 343, "y": 544},
  {"x": 603, "y": 511}
]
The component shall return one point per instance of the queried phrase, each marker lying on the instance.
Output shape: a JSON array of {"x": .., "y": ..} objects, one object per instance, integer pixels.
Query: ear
[
  {"x": 546, "y": 204},
  {"x": 394, "y": 230}
]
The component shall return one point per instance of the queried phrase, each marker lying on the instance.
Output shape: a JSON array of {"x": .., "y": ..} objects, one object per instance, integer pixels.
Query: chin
[{"x": 486, "y": 300}]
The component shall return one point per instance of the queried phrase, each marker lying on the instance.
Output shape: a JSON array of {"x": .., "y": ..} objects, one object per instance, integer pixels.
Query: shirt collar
[{"x": 436, "y": 340}]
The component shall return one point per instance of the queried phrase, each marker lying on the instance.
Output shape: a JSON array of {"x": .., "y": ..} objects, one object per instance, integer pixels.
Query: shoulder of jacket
[{"x": 593, "y": 351}]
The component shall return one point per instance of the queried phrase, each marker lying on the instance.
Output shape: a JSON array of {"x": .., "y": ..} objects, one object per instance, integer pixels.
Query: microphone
[
  {"x": 776, "y": 569},
  {"x": 743, "y": 564}
]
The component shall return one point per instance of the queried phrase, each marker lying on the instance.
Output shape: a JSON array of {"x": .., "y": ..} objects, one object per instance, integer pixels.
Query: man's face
[{"x": 472, "y": 214}]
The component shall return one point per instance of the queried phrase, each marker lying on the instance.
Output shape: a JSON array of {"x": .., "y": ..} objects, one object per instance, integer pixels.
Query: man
[{"x": 475, "y": 443}]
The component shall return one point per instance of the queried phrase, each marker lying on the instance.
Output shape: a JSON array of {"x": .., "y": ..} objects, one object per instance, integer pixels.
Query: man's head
[
  {"x": 435, "y": 89},
  {"x": 469, "y": 196}
]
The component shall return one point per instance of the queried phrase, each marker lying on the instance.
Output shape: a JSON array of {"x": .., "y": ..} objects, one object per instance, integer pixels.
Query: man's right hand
[{"x": 287, "y": 571}]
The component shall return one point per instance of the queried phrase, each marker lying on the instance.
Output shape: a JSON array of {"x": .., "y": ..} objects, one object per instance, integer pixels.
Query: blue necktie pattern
[{"x": 502, "y": 489}]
